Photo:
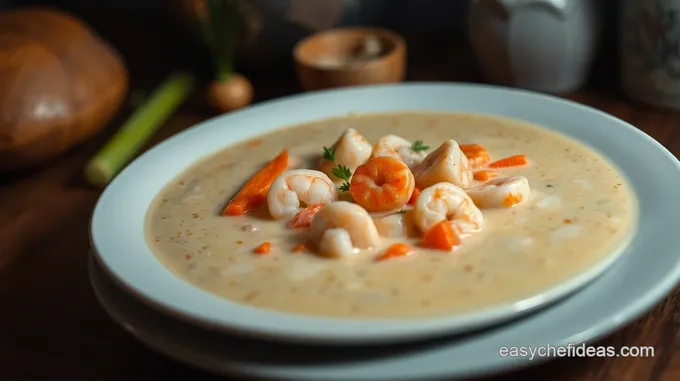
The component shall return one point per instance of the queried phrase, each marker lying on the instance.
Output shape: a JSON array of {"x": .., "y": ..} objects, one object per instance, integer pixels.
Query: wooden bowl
[{"x": 322, "y": 60}]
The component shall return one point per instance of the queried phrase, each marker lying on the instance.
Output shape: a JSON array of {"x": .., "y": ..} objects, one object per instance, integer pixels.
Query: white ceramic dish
[
  {"x": 578, "y": 319},
  {"x": 118, "y": 219}
]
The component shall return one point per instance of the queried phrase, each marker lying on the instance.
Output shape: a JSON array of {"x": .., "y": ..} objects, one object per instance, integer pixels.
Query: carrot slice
[
  {"x": 263, "y": 249},
  {"x": 395, "y": 251},
  {"x": 304, "y": 218},
  {"x": 484, "y": 175},
  {"x": 300, "y": 247},
  {"x": 414, "y": 196},
  {"x": 442, "y": 236},
  {"x": 512, "y": 161},
  {"x": 254, "y": 192},
  {"x": 476, "y": 154}
]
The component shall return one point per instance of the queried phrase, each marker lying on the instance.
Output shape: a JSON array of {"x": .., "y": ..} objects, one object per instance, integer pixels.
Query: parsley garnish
[
  {"x": 339, "y": 171},
  {"x": 329, "y": 154},
  {"x": 343, "y": 173},
  {"x": 418, "y": 146}
]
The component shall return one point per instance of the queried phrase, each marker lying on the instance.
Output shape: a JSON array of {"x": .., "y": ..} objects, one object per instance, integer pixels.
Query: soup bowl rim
[{"x": 117, "y": 223}]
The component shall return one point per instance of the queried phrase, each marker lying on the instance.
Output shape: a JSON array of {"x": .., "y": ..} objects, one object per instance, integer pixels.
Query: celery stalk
[{"x": 138, "y": 129}]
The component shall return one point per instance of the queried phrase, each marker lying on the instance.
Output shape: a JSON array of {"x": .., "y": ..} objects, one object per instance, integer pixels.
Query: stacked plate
[{"x": 194, "y": 326}]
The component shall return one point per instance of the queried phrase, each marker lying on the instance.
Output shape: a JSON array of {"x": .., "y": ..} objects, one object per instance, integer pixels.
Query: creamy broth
[{"x": 580, "y": 210}]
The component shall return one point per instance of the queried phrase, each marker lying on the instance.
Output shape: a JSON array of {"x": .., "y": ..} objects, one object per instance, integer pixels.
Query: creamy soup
[{"x": 570, "y": 210}]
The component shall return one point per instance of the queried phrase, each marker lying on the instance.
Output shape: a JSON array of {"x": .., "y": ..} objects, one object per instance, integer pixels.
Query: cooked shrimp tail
[
  {"x": 294, "y": 190},
  {"x": 341, "y": 227},
  {"x": 445, "y": 201},
  {"x": 381, "y": 184}
]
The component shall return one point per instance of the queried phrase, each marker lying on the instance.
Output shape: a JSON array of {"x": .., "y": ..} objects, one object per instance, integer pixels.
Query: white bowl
[{"x": 117, "y": 224}]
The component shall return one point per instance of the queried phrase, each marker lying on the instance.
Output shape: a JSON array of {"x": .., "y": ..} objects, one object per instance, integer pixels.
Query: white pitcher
[{"x": 542, "y": 45}]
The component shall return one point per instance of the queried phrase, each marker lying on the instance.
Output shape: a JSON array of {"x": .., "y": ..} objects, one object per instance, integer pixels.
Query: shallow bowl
[{"x": 117, "y": 228}]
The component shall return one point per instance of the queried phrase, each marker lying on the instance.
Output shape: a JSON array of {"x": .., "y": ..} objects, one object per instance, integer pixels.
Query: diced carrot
[
  {"x": 414, "y": 196},
  {"x": 511, "y": 200},
  {"x": 484, "y": 175},
  {"x": 476, "y": 154},
  {"x": 254, "y": 192},
  {"x": 396, "y": 250},
  {"x": 263, "y": 249},
  {"x": 304, "y": 218},
  {"x": 442, "y": 236},
  {"x": 512, "y": 161},
  {"x": 300, "y": 247}
]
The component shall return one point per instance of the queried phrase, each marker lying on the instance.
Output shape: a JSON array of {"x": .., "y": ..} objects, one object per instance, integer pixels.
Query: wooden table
[{"x": 51, "y": 327}]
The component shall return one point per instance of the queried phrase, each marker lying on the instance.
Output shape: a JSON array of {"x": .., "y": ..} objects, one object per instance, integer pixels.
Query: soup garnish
[
  {"x": 415, "y": 192},
  {"x": 402, "y": 214}
]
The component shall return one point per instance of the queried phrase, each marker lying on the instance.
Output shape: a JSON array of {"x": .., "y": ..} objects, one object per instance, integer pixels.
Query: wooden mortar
[{"x": 314, "y": 54}]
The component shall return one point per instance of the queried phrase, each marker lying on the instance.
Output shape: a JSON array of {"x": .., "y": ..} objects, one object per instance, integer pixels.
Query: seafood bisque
[{"x": 392, "y": 215}]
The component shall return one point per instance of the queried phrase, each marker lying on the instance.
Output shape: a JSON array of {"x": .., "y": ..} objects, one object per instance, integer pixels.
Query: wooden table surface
[{"x": 51, "y": 327}]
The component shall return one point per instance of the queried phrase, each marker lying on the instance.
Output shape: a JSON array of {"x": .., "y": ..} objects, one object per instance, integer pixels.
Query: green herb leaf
[
  {"x": 329, "y": 154},
  {"x": 342, "y": 172},
  {"x": 339, "y": 171},
  {"x": 418, "y": 146}
]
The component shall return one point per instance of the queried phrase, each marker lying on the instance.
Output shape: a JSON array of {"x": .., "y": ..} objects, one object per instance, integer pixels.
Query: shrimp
[
  {"x": 397, "y": 225},
  {"x": 341, "y": 227},
  {"x": 505, "y": 192},
  {"x": 297, "y": 188},
  {"x": 445, "y": 164},
  {"x": 381, "y": 184},
  {"x": 350, "y": 150},
  {"x": 398, "y": 148},
  {"x": 445, "y": 201}
]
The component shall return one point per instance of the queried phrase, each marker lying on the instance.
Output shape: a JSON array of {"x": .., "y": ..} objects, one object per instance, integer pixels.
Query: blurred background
[
  {"x": 83, "y": 92},
  {"x": 155, "y": 35},
  {"x": 552, "y": 46}
]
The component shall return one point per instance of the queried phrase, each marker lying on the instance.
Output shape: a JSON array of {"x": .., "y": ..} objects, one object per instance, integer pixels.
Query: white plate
[
  {"x": 118, "y": 219},
  {"x": 578, "y": 319}
]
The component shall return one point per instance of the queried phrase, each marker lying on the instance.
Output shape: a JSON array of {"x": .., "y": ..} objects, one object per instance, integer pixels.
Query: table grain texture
[{"x": 51, "y": 327}]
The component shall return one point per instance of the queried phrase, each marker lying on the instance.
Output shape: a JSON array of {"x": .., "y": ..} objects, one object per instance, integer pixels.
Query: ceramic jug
[
  {"x": 650, "y": 51},
  {"x": 542, "y": 45}
]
